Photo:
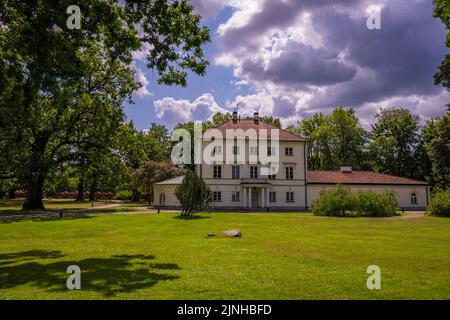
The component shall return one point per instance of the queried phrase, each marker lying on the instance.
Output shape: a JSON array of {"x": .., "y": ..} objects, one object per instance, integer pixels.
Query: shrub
[
  {"x": 336, "y": 202},
  {"x": 193, "y": 194},
  {"x": 440, "y": 204},
  {"x": 123, "y": 195},
  {"x": 342, "y": 202},
  {"x": 369, "y": 203}
]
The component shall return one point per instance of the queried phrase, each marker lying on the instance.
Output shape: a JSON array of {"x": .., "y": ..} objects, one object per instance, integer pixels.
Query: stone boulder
[{"x": 233, "y": 233}]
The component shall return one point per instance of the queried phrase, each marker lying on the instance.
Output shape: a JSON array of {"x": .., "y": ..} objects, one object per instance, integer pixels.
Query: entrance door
[{"x": 255, "y": 198}]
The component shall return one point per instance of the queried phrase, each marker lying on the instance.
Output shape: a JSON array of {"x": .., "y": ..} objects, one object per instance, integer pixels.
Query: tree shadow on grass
[
  {"x": 46, "y": 218},
  {"x": 191, "y": 217},
  {"x": 108, "y": 276}
]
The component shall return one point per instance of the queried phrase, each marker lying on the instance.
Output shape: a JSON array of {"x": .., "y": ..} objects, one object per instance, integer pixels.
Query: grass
[
  {"x": 14, "y": 207},
  {"x": 280, "y": 256}
]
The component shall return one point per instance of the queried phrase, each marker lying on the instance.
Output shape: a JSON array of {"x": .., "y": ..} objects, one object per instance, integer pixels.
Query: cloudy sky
[{"x": 291, "y": 58}]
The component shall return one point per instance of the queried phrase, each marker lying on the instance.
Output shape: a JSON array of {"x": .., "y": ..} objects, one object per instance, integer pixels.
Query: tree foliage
[
  {"x": 395, "y": 137},
  {"x": 341, "y": 202},
  {"x": 193, "y": 194},
  {"x": 442, "y": 11},
  {"x": 71, "y": 84},
  {"x": 440, "y": 204},
  {"x": 335, "y": 140},
  {"x": 152, "y": 172}
]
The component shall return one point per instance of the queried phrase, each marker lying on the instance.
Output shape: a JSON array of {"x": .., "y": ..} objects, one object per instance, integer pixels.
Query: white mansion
[{"x": 241, "y": 185}]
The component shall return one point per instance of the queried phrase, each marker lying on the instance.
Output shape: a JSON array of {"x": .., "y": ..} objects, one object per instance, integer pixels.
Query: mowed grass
[
  {"x": 14, "y": 207},
  {"x": 280, "y": 256}
]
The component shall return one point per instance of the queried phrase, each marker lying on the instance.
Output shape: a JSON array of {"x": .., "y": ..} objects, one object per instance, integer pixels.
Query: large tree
[
  {"x": 335, "y": 140},
  {"x": 439, "y": 152},
  {"x": 61, "y": 90},
  {"x": 442, "y": 11},
  {"x": 395, "y": 137}
]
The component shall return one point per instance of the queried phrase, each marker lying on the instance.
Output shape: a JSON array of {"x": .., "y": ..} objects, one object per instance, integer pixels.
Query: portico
[{"x": 256, "y": 196}]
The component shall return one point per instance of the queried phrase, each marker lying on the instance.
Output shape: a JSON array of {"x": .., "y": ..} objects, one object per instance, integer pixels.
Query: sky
[{"x": 293, "y": 58}]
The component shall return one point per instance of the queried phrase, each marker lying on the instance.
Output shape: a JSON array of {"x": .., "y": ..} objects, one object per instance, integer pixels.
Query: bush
[
  {"x": 440, "y": 204},
  {"x": 371, "y": 204},
  {"x": 336, "y": 202},
  {"x": 123, "y": 195},
  {"x": 193, "y": 194},
  {"x": 342, "y": 202}
]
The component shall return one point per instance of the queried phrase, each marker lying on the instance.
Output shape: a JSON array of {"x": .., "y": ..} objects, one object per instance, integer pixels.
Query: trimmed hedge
[
  {"x": 341, "y": 202},
  {"x": 440, "y": 204}
]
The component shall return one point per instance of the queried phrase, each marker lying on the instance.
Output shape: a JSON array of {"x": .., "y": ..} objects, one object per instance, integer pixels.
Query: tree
[
  {"x": 348, "y": 137},
  {"x": 335, "y": 140},
  {"x": 71, "y": 89},
  {"x": 152, "y": 172},
  {"x": 439, "y": 152},
  {"x": 442, "y": 11},
  {"x": 193, "y": 194},
  {"x": 395, "y": 137}
]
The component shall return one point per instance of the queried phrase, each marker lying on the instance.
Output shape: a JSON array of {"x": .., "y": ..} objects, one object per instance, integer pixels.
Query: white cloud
[
  {"x": 174, "y": 111},
  {"x": 140, "y": 77}
]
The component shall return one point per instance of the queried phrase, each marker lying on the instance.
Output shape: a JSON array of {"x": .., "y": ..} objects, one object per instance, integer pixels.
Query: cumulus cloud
[
  {"x": 304, "y": 56},
  {"x": 208, "y": 8},
  {"x": 173, "y": 111},
  {"x": 140, "y": 77}
]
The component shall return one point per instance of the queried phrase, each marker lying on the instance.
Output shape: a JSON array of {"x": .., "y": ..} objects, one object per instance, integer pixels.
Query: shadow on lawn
[
  {"x": 108, "y": 276},
  {"x": 45, "y": 218},
  {"x": 191, "y": 217}
]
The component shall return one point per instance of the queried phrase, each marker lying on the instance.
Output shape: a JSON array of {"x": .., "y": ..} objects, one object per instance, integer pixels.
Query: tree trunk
[
  {"x": 12, "y": 193},
  {"x": 134, "y": 195},
  {"x": 93, "y": 189},
  {"x": 35, "y": 187},
  {"x": 80, "y": 195}
]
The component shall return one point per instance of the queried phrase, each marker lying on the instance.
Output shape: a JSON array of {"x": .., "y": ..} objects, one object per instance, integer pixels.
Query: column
[
  {"x": 244, "y": 191},
  {"x": 268, "y": 197},
  {"x": 262, "y": 198},
  {"x": 249, "y": 197}
]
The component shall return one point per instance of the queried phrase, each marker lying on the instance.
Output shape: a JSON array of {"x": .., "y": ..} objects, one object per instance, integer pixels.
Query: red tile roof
[
  {"x": 358, "y": 177},
  {"x": 246, "y": 124}
]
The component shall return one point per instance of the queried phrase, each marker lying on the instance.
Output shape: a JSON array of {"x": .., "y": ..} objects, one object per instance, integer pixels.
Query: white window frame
[
  {"x": 217, "y": 196},
  {"x": 217, "y": 172}
]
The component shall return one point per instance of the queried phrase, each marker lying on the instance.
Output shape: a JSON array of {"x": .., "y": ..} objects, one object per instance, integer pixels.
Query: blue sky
[{"x": 291, "y": 58}]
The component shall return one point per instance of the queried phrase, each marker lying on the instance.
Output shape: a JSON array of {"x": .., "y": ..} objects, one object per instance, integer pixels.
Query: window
[
  {"x": 289, "y": 151},
  {"x": 235, "y": 196},
  {"x": 289, "y": 196},
  {"x": 272, "y": 173},
  {"x": 254, "y": 172},
  {"x": 217, "y": 196},
  {"x": 254, "y": 151},
  {"x": 413, "y": 199},
  {"x": 272, "y": 176},
  {"x": 272, "y": 196},
  {"x": 235, "y": 172},
  {"x": 235, "y": 150},
  {"x": 217, "y": 172},
  {"x": 217, "y": 150},
  {"x": 162, "y": 199},
  {"x": 289, "y": 173},
  {"x": 270, "y": 151}
]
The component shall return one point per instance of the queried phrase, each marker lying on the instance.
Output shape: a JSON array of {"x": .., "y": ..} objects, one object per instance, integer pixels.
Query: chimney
[
  {"x": 256, "y": 117},
  {"x": 235, "y": 116},
  {"x": 346, "y": 169}
]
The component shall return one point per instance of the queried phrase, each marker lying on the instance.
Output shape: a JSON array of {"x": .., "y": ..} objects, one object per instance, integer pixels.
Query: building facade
[{"x": 241, "y": 178}]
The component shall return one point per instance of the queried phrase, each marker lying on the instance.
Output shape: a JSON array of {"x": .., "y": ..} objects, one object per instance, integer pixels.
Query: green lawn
[
  {"x": 14, "y": 207},
  {"x": 280, "y": 256}
]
